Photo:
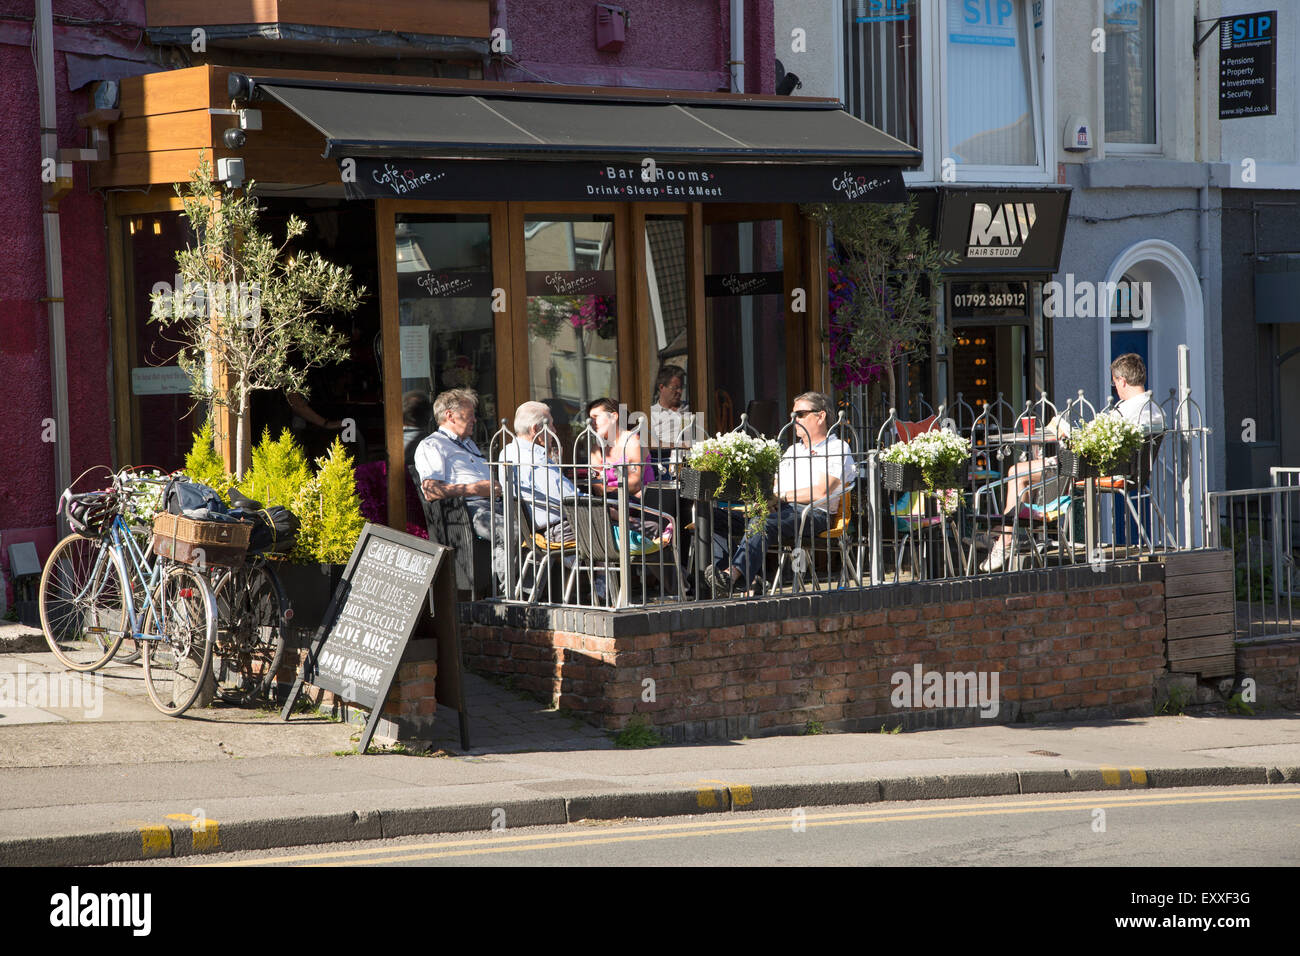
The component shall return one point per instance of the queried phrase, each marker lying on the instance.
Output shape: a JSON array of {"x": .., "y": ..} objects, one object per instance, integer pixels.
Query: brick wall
[
  {"x": 1065, "y": 643},
  {"x": 1274, "y": 666}
]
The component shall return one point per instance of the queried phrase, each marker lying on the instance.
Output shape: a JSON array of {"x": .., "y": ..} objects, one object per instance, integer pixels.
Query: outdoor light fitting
[
  {"x": 230, "y": 170},
  {"x": 611, "y": 27}
]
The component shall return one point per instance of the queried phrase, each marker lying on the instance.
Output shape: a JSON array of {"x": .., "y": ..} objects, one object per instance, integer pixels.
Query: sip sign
[
  {"x": 1248, "y": 65},
  {"x": 982, "y": 22}
]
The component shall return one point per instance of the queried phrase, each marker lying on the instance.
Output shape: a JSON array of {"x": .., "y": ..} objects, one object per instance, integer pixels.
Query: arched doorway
[{"x": 1172, "y": 314}]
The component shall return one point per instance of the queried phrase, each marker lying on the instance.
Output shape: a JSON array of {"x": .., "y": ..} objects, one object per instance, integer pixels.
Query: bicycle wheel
[
  {"x": 250, "y": 632},
  {"x": 83, "y": 614},
  {"x": 181, "y": 627}
]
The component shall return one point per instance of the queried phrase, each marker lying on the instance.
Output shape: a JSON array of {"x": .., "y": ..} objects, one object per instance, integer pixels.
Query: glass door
[
  {"x": 572, "y": 309},
  {"x": 744, "y": 288},
  {"x": 161, "y": 405}
]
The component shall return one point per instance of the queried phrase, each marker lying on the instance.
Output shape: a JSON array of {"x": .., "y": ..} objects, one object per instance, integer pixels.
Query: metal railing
[
  {"x": 1258, "y": 526},
  {"x": 581, "y": 525}
]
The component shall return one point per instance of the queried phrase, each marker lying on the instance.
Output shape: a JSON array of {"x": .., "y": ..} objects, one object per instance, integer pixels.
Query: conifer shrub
[
  {"x": 330, "y": 510},
  {"x": 279, "y": 471}
]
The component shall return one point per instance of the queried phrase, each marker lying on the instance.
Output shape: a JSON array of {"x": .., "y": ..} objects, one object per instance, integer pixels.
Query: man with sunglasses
[{"x": 814, "y": 471}]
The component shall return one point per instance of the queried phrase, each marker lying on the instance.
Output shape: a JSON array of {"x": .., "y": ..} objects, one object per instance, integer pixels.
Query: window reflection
[
  {"x": 444, "y": 282},
  {"x": 572, "y": 312}
]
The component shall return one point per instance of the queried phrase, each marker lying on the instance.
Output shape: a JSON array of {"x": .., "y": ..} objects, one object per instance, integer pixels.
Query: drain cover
[{"x": 1045, "y": 753}]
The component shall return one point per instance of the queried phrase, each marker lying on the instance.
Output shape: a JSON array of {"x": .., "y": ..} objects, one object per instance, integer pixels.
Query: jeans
[
  {"x": 784, "y": 522},
  {"x": 481, "y": 520}
]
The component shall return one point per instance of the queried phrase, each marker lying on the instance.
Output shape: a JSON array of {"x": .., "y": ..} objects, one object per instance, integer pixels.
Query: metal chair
[
  {"x": 448, "y": 522},
  {"x": 799, "y": 560},
  {"x": 598, "y": 540}
]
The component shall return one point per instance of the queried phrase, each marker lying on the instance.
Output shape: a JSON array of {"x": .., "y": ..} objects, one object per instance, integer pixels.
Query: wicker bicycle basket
[{"x": 188, "y": 541}]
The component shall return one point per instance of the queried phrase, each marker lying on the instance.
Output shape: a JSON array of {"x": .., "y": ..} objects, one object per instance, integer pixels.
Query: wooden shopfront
[{"x": 546, "y": 243}]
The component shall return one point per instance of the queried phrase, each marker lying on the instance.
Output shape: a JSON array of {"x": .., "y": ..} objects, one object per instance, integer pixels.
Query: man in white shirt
[
  {"x": 532, "y": 476},
  {"x": 814, "y": 472},
  {"x": 669, "y": 415},
  {"x": 1128, "y": 374}
]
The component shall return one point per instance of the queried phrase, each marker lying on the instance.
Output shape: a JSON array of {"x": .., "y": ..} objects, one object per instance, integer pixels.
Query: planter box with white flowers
[
  {"x": 1107, "y": 445},
  {"x": 933, "y": 461}
]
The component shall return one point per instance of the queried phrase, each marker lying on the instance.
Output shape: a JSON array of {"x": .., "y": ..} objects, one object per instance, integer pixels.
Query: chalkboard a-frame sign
[{"x": 356, "y": 652}]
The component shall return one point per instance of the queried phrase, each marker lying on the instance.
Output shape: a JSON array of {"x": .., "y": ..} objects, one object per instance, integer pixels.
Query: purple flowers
[
  {"x": 847, "y": 366},
  {"x": 595, "y": 313}
]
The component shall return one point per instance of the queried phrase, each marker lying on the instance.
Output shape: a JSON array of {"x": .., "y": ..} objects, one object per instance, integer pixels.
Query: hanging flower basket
[
  {"x": 733, "y": 467},
  {"x": 698, "y": 485},
  {"x": 931, "y": 461},
  {"x": 709, "y": 486}
]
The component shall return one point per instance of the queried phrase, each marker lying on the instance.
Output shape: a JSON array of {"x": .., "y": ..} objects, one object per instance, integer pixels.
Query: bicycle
[
  {"x": 252, "y": 615},
  {"x": 88, "y": 602}
]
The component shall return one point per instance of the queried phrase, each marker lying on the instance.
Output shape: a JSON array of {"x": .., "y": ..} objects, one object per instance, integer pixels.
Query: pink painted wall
[
  {"x": 671, "y": 44},
  {"x": 27, "y": 492}
]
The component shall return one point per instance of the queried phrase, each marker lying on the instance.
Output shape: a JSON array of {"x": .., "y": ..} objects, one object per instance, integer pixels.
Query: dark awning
[{"x": 425, "y": 143}]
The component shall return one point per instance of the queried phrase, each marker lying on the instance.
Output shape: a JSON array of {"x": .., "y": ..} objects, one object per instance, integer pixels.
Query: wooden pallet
[{"x": 1199, "y": 628}]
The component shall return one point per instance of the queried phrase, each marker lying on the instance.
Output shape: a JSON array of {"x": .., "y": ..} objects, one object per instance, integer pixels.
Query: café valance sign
[{"x": 491, "y": 180}]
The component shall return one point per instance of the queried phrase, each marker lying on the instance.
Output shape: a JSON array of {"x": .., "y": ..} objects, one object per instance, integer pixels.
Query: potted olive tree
[
  {"x": 882, "y": 287},
  {"x": 245, "y": 314}
]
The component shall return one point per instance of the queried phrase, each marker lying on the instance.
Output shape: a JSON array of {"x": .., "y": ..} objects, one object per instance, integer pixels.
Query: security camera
[{"x": 234, "y": 138}]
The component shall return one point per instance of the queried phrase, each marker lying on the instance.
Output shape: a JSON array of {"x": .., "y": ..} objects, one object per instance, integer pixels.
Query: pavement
[{"x": 91, "y": 773}]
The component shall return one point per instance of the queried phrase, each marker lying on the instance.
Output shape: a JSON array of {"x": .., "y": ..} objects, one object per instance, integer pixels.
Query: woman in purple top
[{"x": 621, "y": 445}]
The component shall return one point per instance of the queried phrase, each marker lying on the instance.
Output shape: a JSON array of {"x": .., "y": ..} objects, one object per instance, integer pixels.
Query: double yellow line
[{"x": 498, "y": 843}]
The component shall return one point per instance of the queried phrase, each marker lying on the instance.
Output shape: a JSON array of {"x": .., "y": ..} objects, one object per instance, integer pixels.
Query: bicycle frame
[{"x": 141, "y": 569}]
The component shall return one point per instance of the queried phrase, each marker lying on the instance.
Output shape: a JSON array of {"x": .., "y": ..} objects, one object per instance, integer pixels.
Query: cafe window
[
  {"x": 444, "y": 293},
  {"x": 744, "y": 288},
  {"x": 572, "y": 311},
  {"x": 992, "y": 116},
  {"x": 882, "y": 63},
  {"x": 1130, "y": 72}
]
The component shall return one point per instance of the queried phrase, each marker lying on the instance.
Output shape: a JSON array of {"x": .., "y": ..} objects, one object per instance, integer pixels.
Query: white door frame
[{"x": 1140, "y": 259}]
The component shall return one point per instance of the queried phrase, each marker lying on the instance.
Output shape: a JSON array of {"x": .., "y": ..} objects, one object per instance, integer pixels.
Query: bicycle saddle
[{"x": 239, "y": 501}]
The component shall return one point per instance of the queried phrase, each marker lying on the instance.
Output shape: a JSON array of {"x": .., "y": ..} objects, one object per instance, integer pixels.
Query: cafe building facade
[
  {"x": 553, "y": 243},
  {"x": 530, "y": 242}
]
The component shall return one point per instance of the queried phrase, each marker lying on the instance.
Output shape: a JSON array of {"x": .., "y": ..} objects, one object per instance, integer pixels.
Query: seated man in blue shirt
[
  {"x": 450, "y": 465},
  {"x": 534, "y": 477}
]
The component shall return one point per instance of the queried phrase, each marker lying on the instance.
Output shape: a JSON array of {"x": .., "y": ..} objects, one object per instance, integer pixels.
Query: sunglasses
[{"x": 800, "y": 413}]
